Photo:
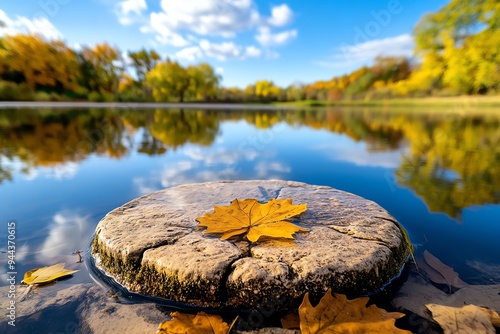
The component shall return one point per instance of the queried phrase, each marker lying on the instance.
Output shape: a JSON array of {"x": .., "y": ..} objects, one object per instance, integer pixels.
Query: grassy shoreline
[{"x": 464, "y": 101}]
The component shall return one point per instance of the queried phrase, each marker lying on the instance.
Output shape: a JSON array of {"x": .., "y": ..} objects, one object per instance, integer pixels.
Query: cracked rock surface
[{"x": 151, "y": 245}]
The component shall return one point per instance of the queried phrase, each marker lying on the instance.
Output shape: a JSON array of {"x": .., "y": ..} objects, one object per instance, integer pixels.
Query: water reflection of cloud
[
  {"x": 177, "y": 173},
  {"x": 59, "y": 172},
  {"x": 143, "y": 185},
  {"x": 271, "y": 170},
  {"x": 358, "y": 154},
  {"x": 205, "y": 165},
  {"x": 68, "y": 232},
  {"x": 218, "y": 156}
]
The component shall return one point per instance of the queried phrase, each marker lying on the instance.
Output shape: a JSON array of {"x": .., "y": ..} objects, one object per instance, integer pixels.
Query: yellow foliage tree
[
  {"x": 105, "y": 62},
  {"x": 39, "y": 63}
]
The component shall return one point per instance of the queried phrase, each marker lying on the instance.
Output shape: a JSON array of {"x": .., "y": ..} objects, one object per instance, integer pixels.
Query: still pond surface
[{"x": 436, "y": 171}]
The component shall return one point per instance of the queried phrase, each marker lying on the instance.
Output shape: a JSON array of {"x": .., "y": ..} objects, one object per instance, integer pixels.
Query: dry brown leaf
[
  {"x": 493, "y": 315},
  {"x": 337, "y": 314},
  {"x": 290, "y": 321},
  {"x": 254, "y": 219},
  {"x": 46, "y": 274},
  {"x": 441, "y": 273},
  {"x": 463, "y": 320},
  {"x": 200, "y": 323}
]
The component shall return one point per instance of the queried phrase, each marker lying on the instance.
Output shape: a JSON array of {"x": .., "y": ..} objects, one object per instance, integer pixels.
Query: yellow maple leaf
[
  {"x": 46, "y": 274},
  {"x": 253, "y": 218},
  {"x": 200, "y": 323},
  {"x": 337, "y": 314}
]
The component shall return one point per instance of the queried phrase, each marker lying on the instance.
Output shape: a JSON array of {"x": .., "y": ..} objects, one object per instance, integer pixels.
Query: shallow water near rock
[{"x": 435, "y": 171}]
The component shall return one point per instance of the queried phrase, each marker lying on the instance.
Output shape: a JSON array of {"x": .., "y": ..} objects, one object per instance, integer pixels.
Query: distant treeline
[{"x": 457, "y": 52}]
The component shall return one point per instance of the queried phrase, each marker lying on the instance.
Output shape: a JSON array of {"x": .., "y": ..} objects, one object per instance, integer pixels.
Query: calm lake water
[{"x": 437, "y": 171}]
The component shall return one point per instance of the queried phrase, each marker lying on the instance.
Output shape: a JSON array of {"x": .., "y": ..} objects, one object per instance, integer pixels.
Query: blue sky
[{"x": 285, "y": 41}]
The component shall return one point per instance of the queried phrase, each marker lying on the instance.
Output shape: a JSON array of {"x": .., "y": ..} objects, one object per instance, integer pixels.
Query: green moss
[
  {"x": 214, "y": 293},
  {"x": 199, "y": 292},
  {"x": 123, "y": 272}
]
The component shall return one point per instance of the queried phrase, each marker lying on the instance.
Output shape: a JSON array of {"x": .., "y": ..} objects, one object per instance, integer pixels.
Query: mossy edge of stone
[
  {"x": 202, "y": 293},
  {"x": 148, "y": 280},
  {"x": 123, "y": 272},
  {"x": 373, "y": 282}
]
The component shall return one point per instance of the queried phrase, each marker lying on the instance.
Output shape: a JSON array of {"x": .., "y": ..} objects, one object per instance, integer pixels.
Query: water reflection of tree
[
  {"x": 452, "y": 162},
  {"x": 178, "y": 127},
  {"x": 48, "y": 138}
]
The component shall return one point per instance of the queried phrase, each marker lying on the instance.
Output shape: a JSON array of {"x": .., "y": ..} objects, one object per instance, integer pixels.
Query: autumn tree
[
  {"x": 39, "y": 63},
  {"x": 266, "y": 90},
  {"x": 461, "y": 39},
  {"x": 204, "y": 82},
  {"x": 143, "y": 61},
  {"x": 295, "y": 92},
  {"x": 104, "y": 66},
  {"x": 168, "y": 80}
]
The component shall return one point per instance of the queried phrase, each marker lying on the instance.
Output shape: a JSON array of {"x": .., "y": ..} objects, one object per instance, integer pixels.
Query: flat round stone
[{"x": 152, "y": 245}]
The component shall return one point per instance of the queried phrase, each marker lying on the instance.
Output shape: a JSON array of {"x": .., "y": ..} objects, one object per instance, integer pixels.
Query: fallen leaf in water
[
  {"x": 200, "y": 323},
  {"x": 254, "y": 219},
  {"x": 337, "y": 314},
  {"x": 465, "y": 320},
  {"x": 290, "y": 321},
  {"x": 416, "y": 292},
  {"x": 46, "y": 274},
  {"x": 440, "y": 273}
]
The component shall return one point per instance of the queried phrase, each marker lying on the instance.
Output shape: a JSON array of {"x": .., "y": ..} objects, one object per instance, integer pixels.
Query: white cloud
[
  {"x": 188, "y": 23},
  {"x": 164, "y": 33},
  {"x": 206, "y": 17},
  {"x": 267, "y": 38},
  {"x": 363, "y": 53},
  {"x": 220, "y": 51},
  {"x": 280, "y": 15},
  {"x": 23, "y": 25},
  {"x": 129, "y": 11},
  {"x": 190, "y": 53},
  {"x": 252, "y": 51},
  {"x": 219, "y": 70},
  {"x": 133, "y": 6}
]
